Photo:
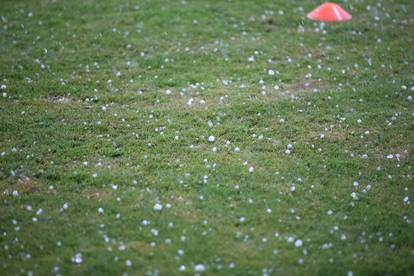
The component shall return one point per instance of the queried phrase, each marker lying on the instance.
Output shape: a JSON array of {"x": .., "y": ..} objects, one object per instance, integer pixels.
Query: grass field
[{"x": 216, "y": 137}]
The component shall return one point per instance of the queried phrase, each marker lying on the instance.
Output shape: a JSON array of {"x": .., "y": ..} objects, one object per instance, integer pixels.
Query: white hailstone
[
  {"x": 65, "y": 206},
  {"x": 211, "y": 139},
  {"x": 289, "y": 146},
  {"x": 409, "y": 98},
  {"x": 354, "y": 195},
  {"x": 350, "y": 273},
  {"x": 270, "y": 72},
  {"x": 343, "y": 237},
  {"x": 237, "y": 149},
  {"x": 268, "y": 210},
  {"x": 390, "y": 156},
  {"x": 210, "y": 123},
  {"x": 3, "y": 87},
  {"x": 330, "y": 212},
  {"x": 77, "y": 259},
  {"x": 199, "y": 268},
  {"x": 15, "y": 193},
  {"x": 181, "y": 268},
  {"x": 128, "y": 263},
  {"x": 406, "y": 200},
  {"x": 154, "y": 232},
  {"x": 100, "y": 210},
  {"x": 157, "y": 207},
  {"x": 168, "y": 92},
  {"x": 4, "y": 95},
  {"x": 293, "y": 188},
  {"x": 359, "y": 121},
  {"x": 121, "y": 247},
  {"x": 356, "y": 184},
  {"x": 114, "y": 186},
  {"x": 250, "y": 59},
  {"x": 251, "y": 169},
  {"x": 287, "y": 152},
  {"x": 298, "y": 243},
  {"x": 242, "y": 219}
]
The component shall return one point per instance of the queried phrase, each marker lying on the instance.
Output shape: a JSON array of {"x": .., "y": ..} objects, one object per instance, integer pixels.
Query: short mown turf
[{"x": 215, "y": 137}]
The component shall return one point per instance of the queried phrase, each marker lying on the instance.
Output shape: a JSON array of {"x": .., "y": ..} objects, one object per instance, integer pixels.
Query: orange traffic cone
[{"x": 329, "y": 12}]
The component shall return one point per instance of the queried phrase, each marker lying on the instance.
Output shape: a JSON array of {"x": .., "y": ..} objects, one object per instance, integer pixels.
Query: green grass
[{"x": 85, "y": 107}]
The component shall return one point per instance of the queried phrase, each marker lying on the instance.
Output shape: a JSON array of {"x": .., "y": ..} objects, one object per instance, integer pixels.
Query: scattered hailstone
[
  {"x": 251, "y": 169},
  {"x": 270, "y": 72},
  {"x": 211, "y": 139},
  {"x": 100, "y": 210},
  {"x": 77, "y": 259},
  {"x": 154, "y": 232},
  {"x": 168, "y": 92},
  {"x": 406, "y": 200},
  {"x": 289, "y": 148},
  {"x": 157, "y": 207},
  {"x": 181, "y": 268},
  {"x": 199, "y": 268},
  {"x": 354, "y": 195},
  {"x": 268, "y": 210},
  {"x": 298, "y": 243},
  {"x": 128, "y": 263},
  {"x": 15, "y": 193}
]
